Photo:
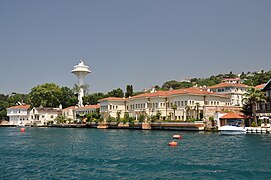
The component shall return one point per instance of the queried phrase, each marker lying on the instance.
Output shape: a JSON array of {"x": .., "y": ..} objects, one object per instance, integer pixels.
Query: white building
[
  {"x": 112, "y": 106},
  {"x": 41, "y": 116},
  {"x": 81, "y": 112},
  {"x": 179, "y": 104},
  {"x": 231, "y": 80},
  {"x": 18, "y": 115},
  {"x": 235, "y": 90},
  {"x": 69, "y": 112}
]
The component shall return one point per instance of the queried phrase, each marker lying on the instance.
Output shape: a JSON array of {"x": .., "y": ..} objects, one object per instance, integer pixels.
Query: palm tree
[
  {"x": 252, "y": 97},
  {"x": 197, "y": 110},
  {"x": 174, "y": 107},
  {"x": 76, "y": 88},
  {"x": 188, "y": 108}
]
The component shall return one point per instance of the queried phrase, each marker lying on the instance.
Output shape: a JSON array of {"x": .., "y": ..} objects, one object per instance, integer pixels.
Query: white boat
[{"x": 230, "y": 129}]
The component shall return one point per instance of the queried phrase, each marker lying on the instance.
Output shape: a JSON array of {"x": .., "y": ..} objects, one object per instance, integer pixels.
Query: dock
[{"x": 257, "y": 130}]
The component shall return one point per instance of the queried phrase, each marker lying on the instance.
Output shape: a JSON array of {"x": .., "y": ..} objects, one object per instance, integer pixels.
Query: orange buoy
[
  {"x": 22, "y": 129},
  {"x": 177, "y": 136},
  {"x": 172, "y": 143}
]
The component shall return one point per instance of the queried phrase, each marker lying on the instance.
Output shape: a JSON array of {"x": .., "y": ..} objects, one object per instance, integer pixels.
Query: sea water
[{"x": 78, "y": 153}]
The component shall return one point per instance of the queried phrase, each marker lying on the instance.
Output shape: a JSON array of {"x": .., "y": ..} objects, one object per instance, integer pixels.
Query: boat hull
[{"x": 232, "y": 130}]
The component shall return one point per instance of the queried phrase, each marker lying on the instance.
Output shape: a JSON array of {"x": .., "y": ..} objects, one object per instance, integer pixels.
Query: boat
[{"x": 232, "y": 129}]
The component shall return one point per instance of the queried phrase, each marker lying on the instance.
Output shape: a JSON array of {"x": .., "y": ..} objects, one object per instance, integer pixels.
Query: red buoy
[
  {"x": 177, "y": 136},
  {"x": 172, "y": 143},
  {"x": 22, "y": 129}
]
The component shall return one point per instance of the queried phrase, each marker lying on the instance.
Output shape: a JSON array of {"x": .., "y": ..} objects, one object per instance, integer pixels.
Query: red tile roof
[
  {"x": 112, "y": 99},
  {"x": 260, "y": 86},
  {"x": 20, "y": 107},
  {"x": 89, "y": 107},
  {"x": 71, "y": 107},
  {"x": 192, "y": 90},
  {"x": 222, "y": 85},
  {"x": 233, "y": 116},
  {"x": 154, "y": 94}
]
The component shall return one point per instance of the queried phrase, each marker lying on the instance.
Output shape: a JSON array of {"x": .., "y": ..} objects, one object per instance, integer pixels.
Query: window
[{"x": 182, "y": 103}]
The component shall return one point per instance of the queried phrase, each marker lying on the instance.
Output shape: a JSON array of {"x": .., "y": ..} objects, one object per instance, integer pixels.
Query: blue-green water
[{"x": 56, "y": 153}]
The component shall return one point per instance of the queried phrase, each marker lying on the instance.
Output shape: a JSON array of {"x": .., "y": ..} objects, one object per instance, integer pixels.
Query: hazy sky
[{"x": 138, "y": 42}]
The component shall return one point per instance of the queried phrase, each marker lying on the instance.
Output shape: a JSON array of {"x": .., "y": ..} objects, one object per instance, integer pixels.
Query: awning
[{"x": 264, "y": 117}]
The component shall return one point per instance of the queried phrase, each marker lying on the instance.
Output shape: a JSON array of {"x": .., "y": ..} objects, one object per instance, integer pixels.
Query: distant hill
[{"x": 250, "y": 79}]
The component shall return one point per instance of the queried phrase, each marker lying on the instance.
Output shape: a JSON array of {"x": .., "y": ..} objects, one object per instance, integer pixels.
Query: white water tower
[{"x": 81, "y": 71}]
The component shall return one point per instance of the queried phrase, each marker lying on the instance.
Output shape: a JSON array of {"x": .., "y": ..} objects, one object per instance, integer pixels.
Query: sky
[{"x": 130, "y": 42}]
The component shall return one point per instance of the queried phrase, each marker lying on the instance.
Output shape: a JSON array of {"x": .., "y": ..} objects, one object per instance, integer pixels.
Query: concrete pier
[{"x": 257, "y": 130}]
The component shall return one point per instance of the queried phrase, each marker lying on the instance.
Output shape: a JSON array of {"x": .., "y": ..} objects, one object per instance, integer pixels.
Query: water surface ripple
[{"x": 56, "y": 153}]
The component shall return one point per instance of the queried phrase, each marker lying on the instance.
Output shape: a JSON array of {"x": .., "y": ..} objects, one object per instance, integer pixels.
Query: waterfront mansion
[{"x": 181, "y": 104}]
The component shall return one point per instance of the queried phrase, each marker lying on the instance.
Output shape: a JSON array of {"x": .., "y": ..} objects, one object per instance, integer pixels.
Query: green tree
[
  {"x": 247, "y": 109},
  {"x": 46, "y": 95},
  {"x": 129, "y": 91},
  {"x": 16, "y": 98},
  {"x": 76, "y": 88},
  {"x": 67, "y": 97},
  {"x": 3, "y": 105},
  {"x": 174, "y": 108},
  {"x": 93, "y": 98},
  {"x": 252, "y": 97},
  {"x": 158, "y": 115},
  {"x": 116, "y": 93},
  {"x": 176, "y": 85},
  {"x": 187, "y": 109},
  {"x": 197, "y": 110}
]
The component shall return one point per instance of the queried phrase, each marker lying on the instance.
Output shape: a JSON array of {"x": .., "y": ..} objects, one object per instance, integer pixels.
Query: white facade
[
  {"x": 18, "y": 115},
  {"x": 111, "y": 106},
  {"x": 82, "y": 111},
  {"x": 69, "y": 112},
  {"x": 180, "y": 104},
  {"x": 41, "y": 116},
  {"x": 236, "y": 91}
]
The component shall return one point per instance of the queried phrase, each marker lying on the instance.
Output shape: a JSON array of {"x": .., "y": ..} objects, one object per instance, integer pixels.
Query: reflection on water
[{"x": 56, "y": 153}]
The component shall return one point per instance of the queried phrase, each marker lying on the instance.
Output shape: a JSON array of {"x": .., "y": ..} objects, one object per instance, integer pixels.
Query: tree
[
  {"x": 116, "y": 93},
  {"x": 187, "y": 109},
  {"x": 16, "y": 98},
  {"x": 197, "y": 110},
  {"x": 252, "y": 97},
  {"x": 174, "y": 107},
  {"x": 76, "y": 88},
  {"x": 176, "y": 85},
  {"x": 158, "y": 115},
  {"x": 129, "y": 91},
  {"x": 93, "y": 98},
  {"x": 67, "y": 97},
  {"x": 46, "y": 95}
]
